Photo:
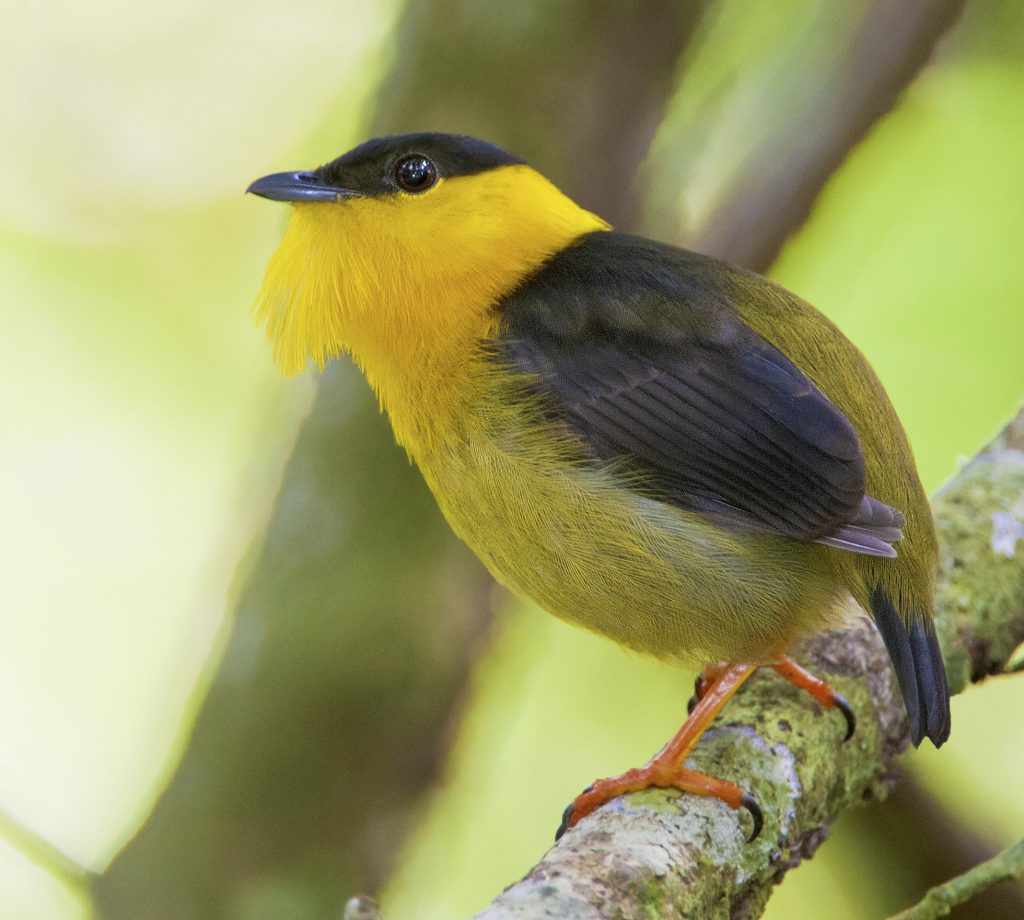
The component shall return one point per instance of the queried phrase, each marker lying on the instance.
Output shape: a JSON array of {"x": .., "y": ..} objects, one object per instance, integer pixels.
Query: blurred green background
[{"x": 246, "y": 671}]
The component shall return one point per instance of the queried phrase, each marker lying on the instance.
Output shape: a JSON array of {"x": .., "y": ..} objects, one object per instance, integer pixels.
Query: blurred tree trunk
[
  {"x": 772, "y": 197},
  {"x": 355, "y": 631},
  {"x": 349, "y": 639},
  {"x": 801, "y": 103}
]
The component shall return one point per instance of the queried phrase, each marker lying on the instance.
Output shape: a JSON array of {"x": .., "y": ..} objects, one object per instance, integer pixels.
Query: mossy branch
[{"x": 658, "y": 853}]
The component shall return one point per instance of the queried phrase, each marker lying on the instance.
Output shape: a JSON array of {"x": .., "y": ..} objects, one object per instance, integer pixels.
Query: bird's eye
[{"x": 415, "y": 173}]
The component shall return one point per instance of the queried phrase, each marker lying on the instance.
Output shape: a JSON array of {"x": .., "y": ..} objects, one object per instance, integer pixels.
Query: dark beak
[{"x": 297, "y": 186}]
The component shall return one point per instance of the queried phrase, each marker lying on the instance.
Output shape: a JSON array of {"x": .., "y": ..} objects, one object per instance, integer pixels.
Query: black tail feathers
[{"x": 916, "y": 656}]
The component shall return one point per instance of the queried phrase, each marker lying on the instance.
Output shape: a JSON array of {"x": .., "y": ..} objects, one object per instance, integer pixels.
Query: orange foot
[
  {"x": 666, "y": 771},
  {"x": 714, "y": 687}
]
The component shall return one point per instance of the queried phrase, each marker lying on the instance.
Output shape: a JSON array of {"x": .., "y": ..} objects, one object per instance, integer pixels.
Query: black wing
[{"x": 652, "y": 367}]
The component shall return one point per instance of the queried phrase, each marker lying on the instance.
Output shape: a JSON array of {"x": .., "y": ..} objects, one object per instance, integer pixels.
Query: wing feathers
[{"x": 657, "y": 373}]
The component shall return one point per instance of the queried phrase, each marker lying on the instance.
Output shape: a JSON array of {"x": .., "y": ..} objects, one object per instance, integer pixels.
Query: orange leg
[
  {"x": 666, "y": 770},
  {"x": 816, "y": 687}
]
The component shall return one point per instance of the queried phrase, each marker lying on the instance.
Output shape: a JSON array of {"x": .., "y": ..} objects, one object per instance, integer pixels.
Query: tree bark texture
[{"x": 773, "y": 197}]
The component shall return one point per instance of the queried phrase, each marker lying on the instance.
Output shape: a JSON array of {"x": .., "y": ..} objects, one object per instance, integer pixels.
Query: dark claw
[
  {"x": 692, "y": 702},
  {"x": 567, "y": 814},
  {"x": 750, "y": 804},
  {"x": 847, "y": 711},
  {"x": 564, "y": 826}
]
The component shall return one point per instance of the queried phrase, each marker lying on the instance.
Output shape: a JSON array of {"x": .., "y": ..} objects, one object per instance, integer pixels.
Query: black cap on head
[
  {"x": 362, "y": 169},
  {"x": 386, "y": 165}
]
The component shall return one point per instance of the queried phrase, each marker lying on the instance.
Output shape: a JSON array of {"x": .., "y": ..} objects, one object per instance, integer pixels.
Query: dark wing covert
[{"x": 660, "y": 372}]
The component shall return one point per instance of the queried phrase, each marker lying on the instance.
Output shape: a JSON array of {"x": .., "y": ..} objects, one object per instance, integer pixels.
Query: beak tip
[{"x": 295, "y": 187}]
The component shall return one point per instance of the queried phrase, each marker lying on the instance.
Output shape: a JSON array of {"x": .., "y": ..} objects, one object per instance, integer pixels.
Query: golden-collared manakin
[{"x": 665, "y": 448}]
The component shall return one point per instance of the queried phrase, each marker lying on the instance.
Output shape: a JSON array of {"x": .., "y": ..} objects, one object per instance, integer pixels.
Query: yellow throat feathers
[{"x": 407, "y": 283}]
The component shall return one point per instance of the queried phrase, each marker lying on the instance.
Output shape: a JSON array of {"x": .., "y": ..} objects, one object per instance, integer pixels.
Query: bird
[{"x": 667, "y": 449}]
